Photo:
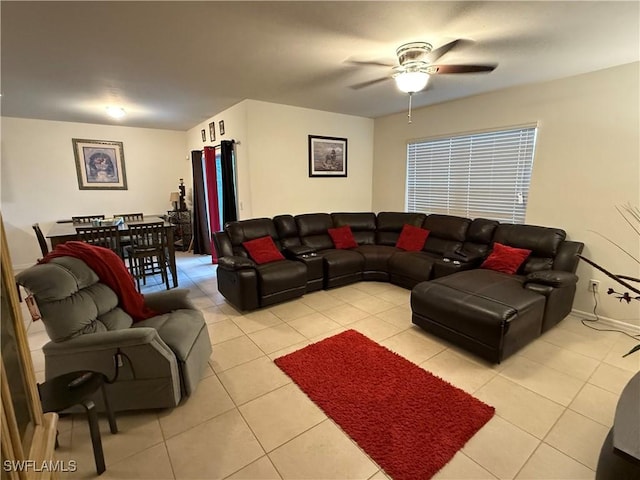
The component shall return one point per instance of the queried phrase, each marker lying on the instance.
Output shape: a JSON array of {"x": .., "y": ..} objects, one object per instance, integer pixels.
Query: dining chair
[
  {"x": 147, "y": 253},
  {"x": 44, "y": 247},
  {"x": 86, "y": 218},
  {"x": 130, "y": 217},
  {"x": 105, "y": 236}
]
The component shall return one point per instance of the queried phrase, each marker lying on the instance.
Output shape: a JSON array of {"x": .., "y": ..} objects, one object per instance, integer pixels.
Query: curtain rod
[{"x": 217, "y": 145}]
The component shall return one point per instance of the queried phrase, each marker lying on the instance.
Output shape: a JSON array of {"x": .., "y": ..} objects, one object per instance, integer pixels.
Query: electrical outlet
[{"x": 593, "y": 285}]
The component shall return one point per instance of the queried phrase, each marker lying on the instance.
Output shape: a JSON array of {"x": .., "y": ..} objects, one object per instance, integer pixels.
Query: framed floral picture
[
  {"x": 327, "y": 156},
  {"x": 99, "y": 164}
]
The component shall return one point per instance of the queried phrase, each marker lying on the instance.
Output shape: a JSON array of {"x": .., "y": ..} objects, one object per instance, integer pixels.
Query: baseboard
[{"x": 609, "y": 322}]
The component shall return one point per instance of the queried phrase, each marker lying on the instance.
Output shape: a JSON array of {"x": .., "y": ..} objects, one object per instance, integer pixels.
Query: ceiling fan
[{"x": 416, "y": 60}]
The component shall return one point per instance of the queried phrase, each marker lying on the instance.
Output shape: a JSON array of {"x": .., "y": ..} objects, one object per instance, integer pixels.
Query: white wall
[
  {"x": 587, "y": 161},
  {"x": 272, "y": 159},
  {"x": 39, "y": 182}
]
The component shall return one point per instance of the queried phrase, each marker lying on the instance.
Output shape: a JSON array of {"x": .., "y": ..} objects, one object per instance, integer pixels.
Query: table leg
[{"x": 94, "y": 429}]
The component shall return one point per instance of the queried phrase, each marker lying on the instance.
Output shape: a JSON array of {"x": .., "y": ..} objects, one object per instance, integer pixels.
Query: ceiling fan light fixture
[
  {"x": 411, "y": 81},
  {"x": 116, "y": 112}
]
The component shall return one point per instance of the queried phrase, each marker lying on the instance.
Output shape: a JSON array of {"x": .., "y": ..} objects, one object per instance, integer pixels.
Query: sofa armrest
[
  {"x": 462, "y": 257},
  {"x": 236, "y": 263},
  {"x": 114, "y": 339},
  {"x": 551, "y": 278},
  {"x": 169, "y": 300},
  {"x": 146, "y": 355},
  {"x": 298, "y": 251}
]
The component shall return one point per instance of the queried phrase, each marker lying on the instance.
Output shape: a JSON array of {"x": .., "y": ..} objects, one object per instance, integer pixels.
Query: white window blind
[{"x": 481, "y": 175}]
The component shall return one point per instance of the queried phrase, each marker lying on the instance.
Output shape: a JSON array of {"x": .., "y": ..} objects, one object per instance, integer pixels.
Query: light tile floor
[{"x": 554, "y": 399}]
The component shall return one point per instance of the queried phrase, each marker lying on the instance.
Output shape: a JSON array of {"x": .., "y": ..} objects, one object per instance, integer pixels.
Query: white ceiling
[{"x": 174, "y": 64}]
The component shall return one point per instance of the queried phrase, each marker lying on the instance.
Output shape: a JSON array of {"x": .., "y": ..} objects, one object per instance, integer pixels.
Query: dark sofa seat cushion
[
  {"x": 491, "y": 308},
  {"x": 410, "y": 268},
  {"x": 281, "y": 276},
  {"x": 376, "y": 257},
  {"x": 342, "y": 265}
]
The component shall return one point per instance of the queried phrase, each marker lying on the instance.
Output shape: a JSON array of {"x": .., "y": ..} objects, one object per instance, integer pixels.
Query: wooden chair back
[
  {"x": 130, "y": 217},
  {"x": 44, "y": 247},
  {"x": 105, "y": 236}
]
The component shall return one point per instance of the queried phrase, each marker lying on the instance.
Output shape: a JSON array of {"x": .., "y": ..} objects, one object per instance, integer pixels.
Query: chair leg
[
  {"x": 113, "y": 426},
  {"x": 94, "y": 430}
]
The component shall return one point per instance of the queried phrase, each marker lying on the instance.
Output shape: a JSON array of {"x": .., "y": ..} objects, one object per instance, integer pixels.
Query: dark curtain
[
  {"x": 201, "y": 235},
  {"x": 229, "y": 209},
  {"x": 212, "y": 195}
]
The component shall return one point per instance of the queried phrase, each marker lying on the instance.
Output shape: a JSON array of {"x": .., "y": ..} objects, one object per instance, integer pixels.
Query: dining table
[{"x": 64, "y": 231}]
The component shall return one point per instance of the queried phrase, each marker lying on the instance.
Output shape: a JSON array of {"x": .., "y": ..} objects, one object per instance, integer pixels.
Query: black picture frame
[
  {"x": 327, "y": 156},
  {"x": 212, "y": 131},
  {"x": 221, "y": 125},
  {"x": 204, "y": 135}
]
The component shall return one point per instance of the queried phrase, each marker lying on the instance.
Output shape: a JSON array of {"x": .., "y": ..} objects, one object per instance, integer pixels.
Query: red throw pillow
[
  {"x": 343, "y": 237},
  {"x": 505, "y": 259},
  {"x": 263, "y": 250},
  {"x": 412, "y": 238}
]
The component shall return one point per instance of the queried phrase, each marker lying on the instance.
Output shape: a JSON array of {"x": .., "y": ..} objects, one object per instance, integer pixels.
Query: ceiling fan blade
[
  {"x": 372, "y": 63},
  {"x": 368, "y": 83},
  {"x": 440, "y": 51},
  {"x": 444, "y": 69}
]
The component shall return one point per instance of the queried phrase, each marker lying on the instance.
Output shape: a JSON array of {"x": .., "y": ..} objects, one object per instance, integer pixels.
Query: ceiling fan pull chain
[{"x": 409, "y": 115}]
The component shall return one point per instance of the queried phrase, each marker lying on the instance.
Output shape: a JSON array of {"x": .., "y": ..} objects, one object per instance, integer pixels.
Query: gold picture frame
[{"x": 99, "y": 164}]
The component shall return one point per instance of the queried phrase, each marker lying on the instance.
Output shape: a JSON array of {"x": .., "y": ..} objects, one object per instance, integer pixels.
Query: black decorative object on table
[
  {"x": 181, "y": 219},
  {"x": 78, "y": 388},
  {"x": 181, "y": 188}
]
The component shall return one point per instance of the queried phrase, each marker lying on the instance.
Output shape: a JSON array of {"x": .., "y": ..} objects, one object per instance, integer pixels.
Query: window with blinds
[{"x": 481, "y": 175}]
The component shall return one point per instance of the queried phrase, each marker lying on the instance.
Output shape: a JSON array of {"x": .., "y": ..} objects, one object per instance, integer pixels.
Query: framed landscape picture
[
  {"x": 327, "y": 156},
  {"x": 99, "y": 164}
]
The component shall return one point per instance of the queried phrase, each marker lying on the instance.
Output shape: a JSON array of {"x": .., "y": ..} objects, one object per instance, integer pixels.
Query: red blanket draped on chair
[{"x": 112, "y": 272}]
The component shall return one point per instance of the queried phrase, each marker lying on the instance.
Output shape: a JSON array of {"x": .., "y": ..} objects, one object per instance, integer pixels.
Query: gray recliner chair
[{"x": 160, "y": 360}]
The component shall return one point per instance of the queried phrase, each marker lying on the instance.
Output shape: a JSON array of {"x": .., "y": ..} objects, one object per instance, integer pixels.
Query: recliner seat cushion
[
  {"x": 478, "y": 303},
  {"x": 338, "y": 263},
  {"x": 178, "y": 329},
  {"x": 376, "y": 257},
  {"x": 415, "y": 265},
  {"x": 280, "y": 276}
]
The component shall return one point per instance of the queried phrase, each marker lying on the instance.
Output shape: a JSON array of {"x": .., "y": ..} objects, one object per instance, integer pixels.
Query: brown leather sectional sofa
[{"x": 488, "y": 312}]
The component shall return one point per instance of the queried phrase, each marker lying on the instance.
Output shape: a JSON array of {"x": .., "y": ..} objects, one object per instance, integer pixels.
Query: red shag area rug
[{"x": 408, "y": 421}]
